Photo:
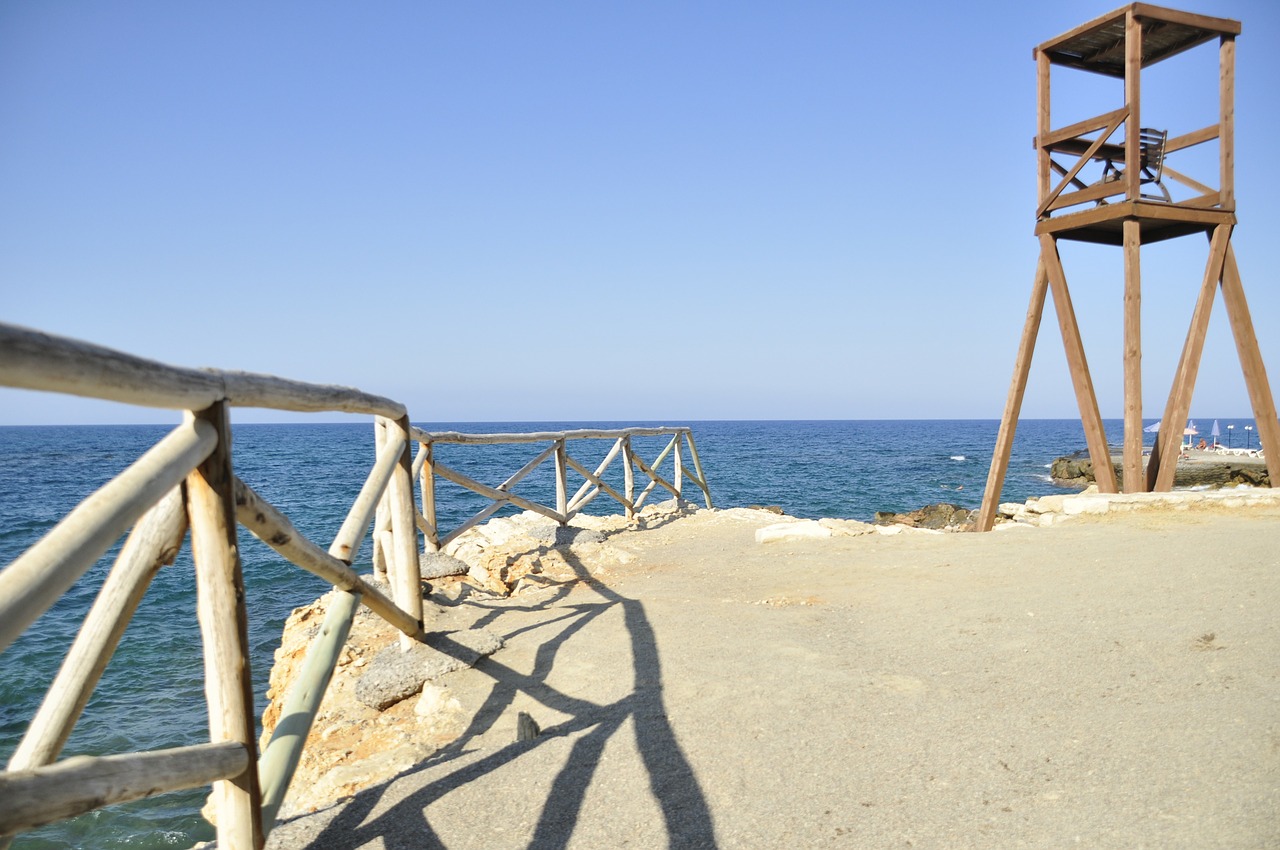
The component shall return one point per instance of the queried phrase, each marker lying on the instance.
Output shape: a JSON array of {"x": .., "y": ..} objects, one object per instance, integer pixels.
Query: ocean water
[{"x": 151, "y": 695}]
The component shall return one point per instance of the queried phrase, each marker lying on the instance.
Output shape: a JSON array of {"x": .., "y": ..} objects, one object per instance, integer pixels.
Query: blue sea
[{"x": 152, "y": 693}]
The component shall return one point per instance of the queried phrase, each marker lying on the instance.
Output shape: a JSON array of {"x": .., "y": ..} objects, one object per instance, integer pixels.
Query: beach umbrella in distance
[
  {"x": 1190, "y": 432},
  {"x": 1216, "y": 433},
  {"x": 1152, "y": 429}
]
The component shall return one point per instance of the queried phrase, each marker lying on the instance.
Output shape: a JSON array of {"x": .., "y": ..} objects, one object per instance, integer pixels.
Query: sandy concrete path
[{"x": 1106, "y": 683}]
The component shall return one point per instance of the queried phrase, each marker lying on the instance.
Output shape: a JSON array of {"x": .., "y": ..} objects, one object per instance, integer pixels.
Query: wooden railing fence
[
  {"x": 187, "y": 483},
  {"x": 427, "y": 467}
]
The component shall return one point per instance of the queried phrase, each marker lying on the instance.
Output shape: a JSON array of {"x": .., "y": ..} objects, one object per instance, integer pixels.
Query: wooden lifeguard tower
[{"x": 1107, "y": 180}]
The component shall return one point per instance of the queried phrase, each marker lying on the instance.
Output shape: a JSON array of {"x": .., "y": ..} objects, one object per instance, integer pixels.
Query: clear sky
[{"x": 594, "y": 211}]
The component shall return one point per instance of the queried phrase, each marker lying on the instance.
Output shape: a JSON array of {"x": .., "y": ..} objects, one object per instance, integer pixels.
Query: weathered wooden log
[
  {"x": 494, "y": 493},
  {"x": 701, "y": 480},
  {"x": 575, "y": 508},
  {"x": 677, "y": 468},
  {"x": 387, "y": 543},
  {"x": 39, "y": 361},
  {"x": 481, "y": 516},
  {"x": 654, "y": 478},
  {"x": 347, "y": 543},
  {"x": 628, "y": 477},
  {"x": 224, "y": 631},
  {"x": 33, "y": 582},
  {"x": 381, "y": 519},
  {"x": 274, "y": 528},
  {"x": 428, "y": 530},
  {"x": 695, "y": 479},
  {"x": 153, "y": 543},
  {"x": 593, "y": 480},
  {"x": 280, "y": 758},
  {"x": 490, "y": 510},
  {"x": 35, "y": 797},
  {"x": 541, "y": 436},
  {"x": 33, "y": 360},
  {"x": 247, "y": 389},
  {"x": 562, "y": 484},
  {"x": 424, "y": 468},
  {"x": 406, "y": 583}
]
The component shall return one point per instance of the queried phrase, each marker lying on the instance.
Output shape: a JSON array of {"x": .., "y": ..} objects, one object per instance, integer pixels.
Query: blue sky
[{"x": 592, "y": 211}]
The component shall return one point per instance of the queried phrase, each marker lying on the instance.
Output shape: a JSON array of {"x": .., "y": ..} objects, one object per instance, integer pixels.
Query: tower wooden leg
[
  {"x": 1095, "y": 435},
  {"x": 1134, "y": 479},
  {"x": 1164, "y": 457},
  {"x": 1013, "y": 405},
  {"x": 1255, "y": 372}
]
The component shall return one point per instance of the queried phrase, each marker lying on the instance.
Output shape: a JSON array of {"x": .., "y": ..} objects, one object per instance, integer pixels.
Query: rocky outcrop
[
  {"x": 439, "y": 565},
  {"x": 1075, "y": 470},
  {"x": 1194, "y": 469},
  {"x": 939, "y": 517}
]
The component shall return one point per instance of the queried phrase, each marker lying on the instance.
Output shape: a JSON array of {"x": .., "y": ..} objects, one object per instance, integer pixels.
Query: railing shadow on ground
[
  {"x": 186, "y": 486},
  {"x": 672, "y": 781}
]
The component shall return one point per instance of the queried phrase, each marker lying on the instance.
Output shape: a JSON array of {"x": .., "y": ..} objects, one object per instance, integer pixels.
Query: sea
[{"x": 151, "y": 695}]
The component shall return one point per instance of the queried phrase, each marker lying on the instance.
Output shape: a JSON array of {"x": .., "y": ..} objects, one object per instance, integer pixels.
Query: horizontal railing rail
[
  {"x": 427, "y": 467},
  {"x": 38, "y": 361}
]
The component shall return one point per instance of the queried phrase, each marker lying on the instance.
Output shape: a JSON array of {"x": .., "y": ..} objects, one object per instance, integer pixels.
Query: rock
[
  {"x": 1074, "y": 470},
  {"x": 847, "y": 527},
  {"x": 566, "y": 535},
  {"x": 487, "y": 579},
  {"x": 438, "y": 565},
  {"x": 1197, "y": 469},
  {"x": 1047, "y": 504},
  {"x": 941, "y": 516},
  {"x": 394, "y": 675},
  {"x": 806, "y": 528},
  {"x": 773, "y": 509},
  {"x": 937, "y": 517},
  {"x": 1253, "y": 476},
  {"x": 436, "y": 699},
  {"x": 526, "y": 728}
]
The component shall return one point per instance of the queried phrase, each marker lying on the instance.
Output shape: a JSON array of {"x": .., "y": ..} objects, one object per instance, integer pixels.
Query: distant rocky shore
[{"x": 1195, "y": 469}]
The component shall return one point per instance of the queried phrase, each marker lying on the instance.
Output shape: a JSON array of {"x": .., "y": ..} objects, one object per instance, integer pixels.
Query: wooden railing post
[
  {"x": 224, "y": 631},
  {"x": 562, "y": 489},
  {"x": 405, "y": 581},
  {"x": 697, "y": 467},
  {"x": 428, "y": 479},
  {"x": 628, "y": 477},
  {"x": 677, "y": 471},
  {"x": 380, "y": 556}
]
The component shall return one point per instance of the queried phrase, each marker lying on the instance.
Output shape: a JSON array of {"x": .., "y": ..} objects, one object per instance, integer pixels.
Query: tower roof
[{"x": 1098, "y": 45}]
